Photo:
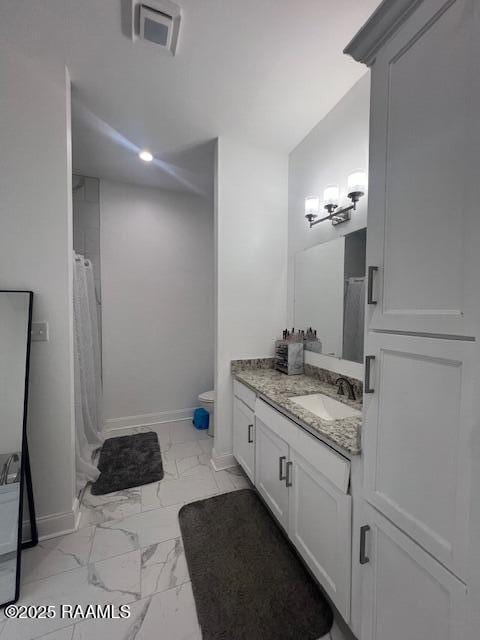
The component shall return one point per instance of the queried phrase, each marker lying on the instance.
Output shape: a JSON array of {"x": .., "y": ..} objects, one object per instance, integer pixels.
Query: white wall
[
  {"x": 251, "y": 261},
  {"x": 35, "y": 253},
  {"x": 157, "y": 255},
  {"x": 334, "y": 148}
]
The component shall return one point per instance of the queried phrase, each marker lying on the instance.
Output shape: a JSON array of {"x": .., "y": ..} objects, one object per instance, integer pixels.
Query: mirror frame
[{"x": 25, "y": 470}]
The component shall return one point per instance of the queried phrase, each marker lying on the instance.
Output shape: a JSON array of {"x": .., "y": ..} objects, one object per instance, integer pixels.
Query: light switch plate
[{"x": 39, "y": 331}]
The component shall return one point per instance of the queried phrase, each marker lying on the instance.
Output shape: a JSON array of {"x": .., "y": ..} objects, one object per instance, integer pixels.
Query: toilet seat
[{"x": 207, "y": 396}]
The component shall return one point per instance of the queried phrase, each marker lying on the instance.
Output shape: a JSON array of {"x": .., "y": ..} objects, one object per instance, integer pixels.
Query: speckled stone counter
[{"x": 277, "y": 388}]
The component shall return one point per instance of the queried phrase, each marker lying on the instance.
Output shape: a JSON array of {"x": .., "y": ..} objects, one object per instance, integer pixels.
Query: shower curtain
[
  {"x": 353, "y": 319},
  {"x": 88, "y": 383}
]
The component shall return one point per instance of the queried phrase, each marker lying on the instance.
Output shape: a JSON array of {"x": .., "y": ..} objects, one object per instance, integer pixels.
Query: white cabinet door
[
  {"x": 271, "y": 457},
  {"x": 320, "y": 528},
  {"x": 244, "y": 437},
  {"x": 423, "y": 197},
  {"x": 406, "y": 594},
  {"x": 416, "y": 440}
]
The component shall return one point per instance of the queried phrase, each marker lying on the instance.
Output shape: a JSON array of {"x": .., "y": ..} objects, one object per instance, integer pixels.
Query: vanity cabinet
[
  {"x": 244, "y": 437},
  {"x": 406, "y": 594},
  {"x": 305, "y": 484}
]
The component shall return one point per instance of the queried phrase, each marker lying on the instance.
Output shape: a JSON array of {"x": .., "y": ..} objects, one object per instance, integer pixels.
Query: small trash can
[{"x": 200, "y": 419}]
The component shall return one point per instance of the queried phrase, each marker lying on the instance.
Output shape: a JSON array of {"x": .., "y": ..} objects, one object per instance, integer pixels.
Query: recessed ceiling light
[{"x": 145, "y": 155}]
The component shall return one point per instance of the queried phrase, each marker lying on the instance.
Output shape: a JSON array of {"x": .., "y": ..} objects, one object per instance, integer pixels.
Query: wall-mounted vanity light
[{"x": 356, "y": 186}]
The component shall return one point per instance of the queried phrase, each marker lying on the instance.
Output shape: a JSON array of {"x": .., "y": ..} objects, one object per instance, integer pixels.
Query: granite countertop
[{"x": 276, "y": 388}]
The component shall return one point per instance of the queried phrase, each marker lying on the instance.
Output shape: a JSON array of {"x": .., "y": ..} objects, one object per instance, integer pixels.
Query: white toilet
[{"x": 207, "y": 401}]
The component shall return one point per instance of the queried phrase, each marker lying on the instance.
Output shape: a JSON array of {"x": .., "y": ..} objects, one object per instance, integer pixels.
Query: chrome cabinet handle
[
  {"x": 371, "y": 271},
  {"x": 288, "y": 477},
  {"x": 367, "y": 388},
  {"x": 281, "y": 475},
  {"x": 249, "y": 437},
  {"x": 363, "y": 542}
]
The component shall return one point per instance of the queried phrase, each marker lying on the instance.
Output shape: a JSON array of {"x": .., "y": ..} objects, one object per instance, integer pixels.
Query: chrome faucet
[
  {"x": 6, "y": 469},
  {"x": 351, "y": 391}
]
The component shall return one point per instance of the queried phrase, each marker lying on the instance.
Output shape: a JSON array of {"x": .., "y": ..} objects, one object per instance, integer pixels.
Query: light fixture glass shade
[
  {"x": 312, "y": 205},
  {"x": 145, "y": 155},
  {"x": 331, "y": 195},
  {"x": 357, "y": 182}
]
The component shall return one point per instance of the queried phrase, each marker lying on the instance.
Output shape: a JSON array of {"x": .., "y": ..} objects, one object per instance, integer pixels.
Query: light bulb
[
  {"x": 312, "y": 205},
  {"x": 145, "y": 155},
  {"x": 357, "y": 182},
  {"x": 331, "y": 195}
]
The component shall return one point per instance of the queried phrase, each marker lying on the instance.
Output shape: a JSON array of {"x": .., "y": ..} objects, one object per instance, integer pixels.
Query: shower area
[
  {"x": 87, "y": 313},
  {"x": 86, "y": 228},
  {"x": 353, "y": 318},
  {"x": 354, "y": 295}
]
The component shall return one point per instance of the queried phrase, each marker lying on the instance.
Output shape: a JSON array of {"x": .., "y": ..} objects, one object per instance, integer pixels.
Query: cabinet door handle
[
  {"x": 288, "y": 477},
  {"x": 371, "y": 271},
  {"x": 368, "y": 361},
  {"x": 249, "y": 437},
  {"x": 281, "y": 475},
  {"x": 363, "y": 542}
]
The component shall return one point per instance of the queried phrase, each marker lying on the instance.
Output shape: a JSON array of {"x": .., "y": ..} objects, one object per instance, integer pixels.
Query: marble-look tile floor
[{"x": 128, "y": 550}]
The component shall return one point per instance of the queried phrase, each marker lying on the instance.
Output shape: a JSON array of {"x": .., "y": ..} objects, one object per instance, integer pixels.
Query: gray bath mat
[
  {"x": 128, "y": 461},
  {"x": 247, "y": 581}
]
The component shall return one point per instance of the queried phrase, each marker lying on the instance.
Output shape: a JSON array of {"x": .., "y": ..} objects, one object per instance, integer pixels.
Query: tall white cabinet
[
  {"x": 407, "y": 595},
  {"x": 416, "y": 441},
  {"x": 423, "y": 220},
  {"x": 421, "y": 407}
]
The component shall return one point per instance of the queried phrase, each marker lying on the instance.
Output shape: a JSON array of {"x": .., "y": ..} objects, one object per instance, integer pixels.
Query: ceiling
[{"x": 264, "y": 71}]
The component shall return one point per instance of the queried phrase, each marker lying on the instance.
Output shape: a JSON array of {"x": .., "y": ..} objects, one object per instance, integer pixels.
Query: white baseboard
[
  {"x": 147, "y": 419},
  {"x": 220, "y": 462},
  {"x": 56, "y": 524}
]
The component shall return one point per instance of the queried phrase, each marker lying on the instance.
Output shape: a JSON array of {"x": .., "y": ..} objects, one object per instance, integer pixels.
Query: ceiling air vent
[{"x": 157, "y": 21}]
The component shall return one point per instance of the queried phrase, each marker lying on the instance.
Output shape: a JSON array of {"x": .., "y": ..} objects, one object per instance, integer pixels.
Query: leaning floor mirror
[{"x": 15, "y": 477}]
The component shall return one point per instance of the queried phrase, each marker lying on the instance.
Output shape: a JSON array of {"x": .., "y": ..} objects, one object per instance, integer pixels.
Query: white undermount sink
[{"x": 325, "y": 407}]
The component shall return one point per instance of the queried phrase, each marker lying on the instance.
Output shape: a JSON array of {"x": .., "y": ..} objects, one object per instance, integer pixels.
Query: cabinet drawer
[
  {"x": 244, "y": 393},
  {"x": 332, "y": 465}
]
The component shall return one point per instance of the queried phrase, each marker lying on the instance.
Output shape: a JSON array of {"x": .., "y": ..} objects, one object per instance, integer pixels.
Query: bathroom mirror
[
  {"x": 329, "y": 295},
  {"x": 15, "y": 329}
]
